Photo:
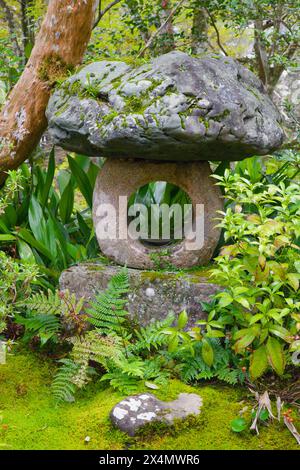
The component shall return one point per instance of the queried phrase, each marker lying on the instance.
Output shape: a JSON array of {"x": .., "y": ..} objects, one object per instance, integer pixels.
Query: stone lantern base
[
  {"x": 153, "y": 294},
  {"x": 119, "y": 179}
]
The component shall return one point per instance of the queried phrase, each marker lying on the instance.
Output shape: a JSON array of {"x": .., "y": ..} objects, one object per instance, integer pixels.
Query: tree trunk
[
  {"x": 200, "y": 31},
  {"x": 59, "y": 46},
  {"x": 261, "y": 53},
  {"x": 166, "y": 42}
]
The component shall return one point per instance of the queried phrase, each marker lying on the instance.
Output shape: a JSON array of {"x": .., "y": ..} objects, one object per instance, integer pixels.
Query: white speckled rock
[{"x": 134, "y": 412}]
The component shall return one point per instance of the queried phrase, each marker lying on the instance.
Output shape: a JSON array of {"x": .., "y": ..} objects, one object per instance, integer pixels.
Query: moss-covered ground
[{"x": 30, "y": 420}]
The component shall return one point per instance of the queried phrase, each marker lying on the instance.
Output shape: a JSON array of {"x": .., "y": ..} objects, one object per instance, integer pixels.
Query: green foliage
[
  {"x": 158, "y": 193},
  {"x": 51, "y": 317},
  {"x": 41, "y": 222},
  {"x": 152, "y": 336},
  {"x": 16, "y": 283},
  {"x": 44, "y": 326},
  {"x": 260, "y": 267},
  {"x": 150, "y": 355},
  {"x": 11, "y": 65},
  {"x": 41, "y": 303}
]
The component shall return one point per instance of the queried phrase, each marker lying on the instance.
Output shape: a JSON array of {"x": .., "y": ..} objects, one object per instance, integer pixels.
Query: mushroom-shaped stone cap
[{"x": 176, "y": 108}]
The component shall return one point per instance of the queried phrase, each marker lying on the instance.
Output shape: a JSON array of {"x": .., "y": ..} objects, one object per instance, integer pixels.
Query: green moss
[
  {"x": 30, "y": 419},
  {"x": 134, "y": 104},
  {"x": 53, "y": 69},
  {"x": 204, "y": 122},
  {"x": 105, "y": 120},
  {"x": 254, "y": 92},
  {"x": 221, "y": 116},
  {"x": 193, "y": 275}
]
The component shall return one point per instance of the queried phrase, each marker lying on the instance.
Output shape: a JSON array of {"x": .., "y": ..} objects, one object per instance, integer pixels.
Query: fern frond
[
  {"x": 134, "y": 367},
  {"x": 192, "y": 369},
  {"x": 107, "y": 311},
  {"x": 46, "y": 326},
  {"x": 98, "y": 348},
  {"x": 155, "y": 372},
  {"x": 123, "y": 383},
  {"x": 229, "y": 376},
  {"x": 42, "y": 303},
  {"x": 152, "y": 336},
  {"x": 62, "y": 386}
]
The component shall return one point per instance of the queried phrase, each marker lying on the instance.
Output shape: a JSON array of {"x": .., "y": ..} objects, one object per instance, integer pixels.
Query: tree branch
[
  {"x": 162, "y": 26},
  {"x": 101, "y": 12},
  {"x": 217, "y": 31}
]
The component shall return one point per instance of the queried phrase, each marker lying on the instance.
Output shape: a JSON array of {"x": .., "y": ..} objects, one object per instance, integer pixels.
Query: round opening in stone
[{"x": 159, "y": 212}]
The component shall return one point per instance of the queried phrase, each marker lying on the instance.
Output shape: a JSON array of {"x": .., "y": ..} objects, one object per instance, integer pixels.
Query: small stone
[
  {"x": 145, "y": 408},
  {"x": 150, "y": 292}
]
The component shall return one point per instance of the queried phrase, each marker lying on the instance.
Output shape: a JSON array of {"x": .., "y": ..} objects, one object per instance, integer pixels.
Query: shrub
[{"x": 260, "y": 269}]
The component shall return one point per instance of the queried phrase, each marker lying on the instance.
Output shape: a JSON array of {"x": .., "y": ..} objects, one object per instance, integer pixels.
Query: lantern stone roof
[{"x": 174, "y": 108}]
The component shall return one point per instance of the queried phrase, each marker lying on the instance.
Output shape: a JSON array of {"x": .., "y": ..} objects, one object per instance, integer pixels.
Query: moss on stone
[{"x": 30, "y": 419}]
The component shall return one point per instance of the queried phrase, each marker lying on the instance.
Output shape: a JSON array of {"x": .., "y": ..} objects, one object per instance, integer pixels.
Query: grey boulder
[
  {"x": 174, "y": 108},
  {"x": 133, "y": 413}
]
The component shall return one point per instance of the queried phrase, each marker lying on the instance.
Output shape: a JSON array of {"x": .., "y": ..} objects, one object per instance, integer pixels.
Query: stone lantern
[{"x": 162, "y": 121}]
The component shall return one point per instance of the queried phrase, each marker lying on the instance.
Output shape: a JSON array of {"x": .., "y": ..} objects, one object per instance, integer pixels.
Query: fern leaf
[
  {"x": 42, "y": 303},
  {"x": 107, "y": 311},
  {"x": 62, "y": 386},
  {"x": 121, "y": 382}
]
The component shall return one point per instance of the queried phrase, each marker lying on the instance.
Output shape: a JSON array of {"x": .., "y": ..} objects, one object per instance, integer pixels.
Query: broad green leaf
[
  {"x": 244, "y": 342},
  {"x": 225, "y": 299},
  {"x": 282, "y": 333},
  {"x": 66, "y": 203},
  {"x": 82, "y": 181},
  {"x": 297, "y": 266},
  {"x": 293, "y": 280},
  {"x": 244, "y": 302},
  {"x": 36, "y": 220},
  {"x": 275, "y": 355},
  {"x": 7, "y": 237},
  {"x": 25, "y": 252},
  {"x": 256, "y": 318},
  {"x": 25, "y": 235},
  {"x": 215, "y": 334},
  {"x": 238, "y": 424},
  {"x": 182, "y": 320},
  {"x": 264, "y": 415},
  {"x": 258, "y": 362},
  {"x": 207, "y": 353},
  {"x": 49, "y": 178},
  {"x": 173, "y": 343},
  {"x": 84, "y": 228}
]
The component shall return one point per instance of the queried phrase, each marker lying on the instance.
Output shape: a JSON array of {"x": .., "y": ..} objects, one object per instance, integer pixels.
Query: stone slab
[{"x": 153, "y": 293}]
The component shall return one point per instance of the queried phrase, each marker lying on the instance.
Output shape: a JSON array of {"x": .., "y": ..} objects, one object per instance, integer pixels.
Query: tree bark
[
  {"x": 166, "y": 28},
  {"x": 200, "y": 30},
  {"x": 60, "y": 44},
  {"x": 261, "y": 53}
]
